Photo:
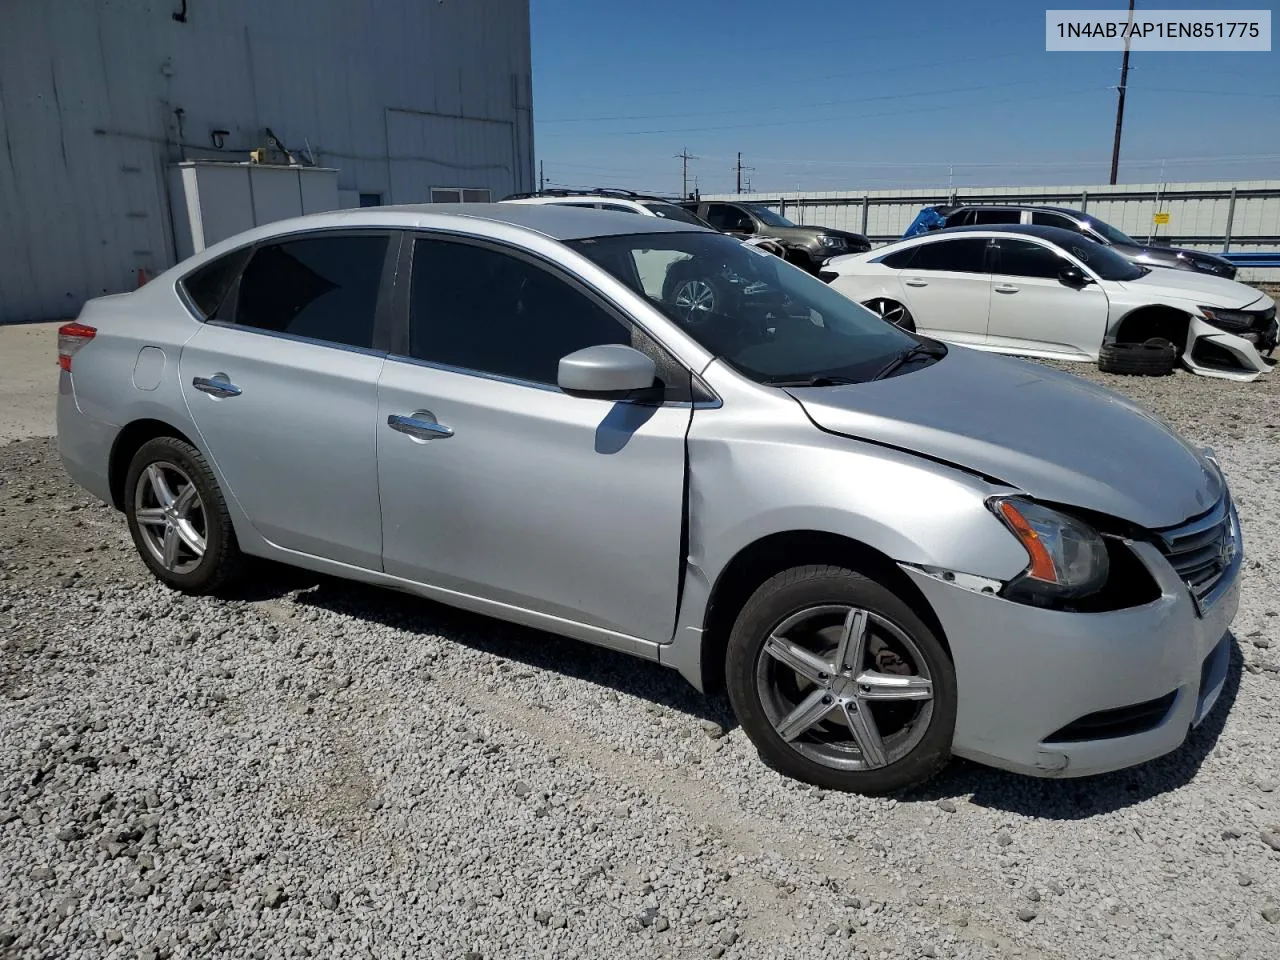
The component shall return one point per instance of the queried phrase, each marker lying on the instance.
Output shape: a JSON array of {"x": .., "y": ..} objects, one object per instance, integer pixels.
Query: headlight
[
  {"x": 831, "y": 241},
  {"x": 1068, "y": 558},
  {"x": 1228, "y": 319},
  {"x": 1209, "y": 266}
]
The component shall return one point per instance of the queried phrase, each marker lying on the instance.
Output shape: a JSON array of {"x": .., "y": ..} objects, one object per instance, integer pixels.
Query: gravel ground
[{"x": 317, "y": 769}]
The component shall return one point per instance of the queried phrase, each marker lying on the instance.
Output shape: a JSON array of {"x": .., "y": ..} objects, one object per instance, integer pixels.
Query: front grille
[
  {"x": 1202, "y": 550},
  {"x": 1117, "y": 722}
]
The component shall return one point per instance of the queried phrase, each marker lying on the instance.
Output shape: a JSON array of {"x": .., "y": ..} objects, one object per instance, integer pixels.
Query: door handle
[
  {"x": 421, "y": 425},
  {"x": 216, "y": 386},
  {"x": 1007, "y": 288},
  {"x": 916, "y": 282}
]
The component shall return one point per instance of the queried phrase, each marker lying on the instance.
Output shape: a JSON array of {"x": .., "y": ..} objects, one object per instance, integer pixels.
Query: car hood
[
  {"x": 1049, "y": 434},
  {"x": 1169, "y": 254},
  {"x": 1203, "y": 288},
  {"x": 804, "y": 232}
]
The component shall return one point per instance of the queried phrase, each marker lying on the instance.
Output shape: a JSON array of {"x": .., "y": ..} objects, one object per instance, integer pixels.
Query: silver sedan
[{"x": 888, "y": 550}]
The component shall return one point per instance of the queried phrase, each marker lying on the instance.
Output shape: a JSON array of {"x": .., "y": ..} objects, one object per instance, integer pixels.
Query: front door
[
  {"x": 1033, "y": 311},
  {"x": 282, "y": 386},
  {"x": 522, "y": 495},
  {"x": 946, "y": 287}
]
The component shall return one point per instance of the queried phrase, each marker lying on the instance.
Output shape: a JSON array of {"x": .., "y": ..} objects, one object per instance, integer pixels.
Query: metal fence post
[
  {"x": 866, "y": 214},
  {"x": 782, "y": 206},
  {"x": 1231, "y": 216},
  {"x": 1084, "y": 201}
]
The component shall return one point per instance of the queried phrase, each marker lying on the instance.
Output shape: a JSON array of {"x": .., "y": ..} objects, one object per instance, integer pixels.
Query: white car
[{"x": 1049, "y": 292}]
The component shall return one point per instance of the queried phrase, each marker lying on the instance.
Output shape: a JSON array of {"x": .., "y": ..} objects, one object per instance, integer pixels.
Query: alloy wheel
[
  {"x": 171, "y": 516},
  {"x": 845, "y": 687},
  {"x": 889, "y": 310},
  {"x": 695, "y": 299}
]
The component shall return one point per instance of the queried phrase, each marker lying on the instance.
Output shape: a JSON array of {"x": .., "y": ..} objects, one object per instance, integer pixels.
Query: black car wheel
[
  {"x": 892, "y": 311},
  {"x": 1155, "y": 357},
  {"x": 178, "y": 518}
]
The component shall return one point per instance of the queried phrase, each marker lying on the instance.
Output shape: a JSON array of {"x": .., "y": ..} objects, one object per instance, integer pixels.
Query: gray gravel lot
[{"x": 317, "y": 769}]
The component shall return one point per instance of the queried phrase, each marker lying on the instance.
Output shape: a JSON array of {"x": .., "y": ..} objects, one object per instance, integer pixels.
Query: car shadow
[
  {"x": 1047, "y": 798},
  {"x": 535, "y": 648},
  {"x": 1079, "y": 799}
]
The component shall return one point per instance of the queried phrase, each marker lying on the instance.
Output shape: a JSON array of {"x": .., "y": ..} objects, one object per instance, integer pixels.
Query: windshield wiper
[
  {"x": 818, "y": 380},
  {"x": 923, "y": 349}
]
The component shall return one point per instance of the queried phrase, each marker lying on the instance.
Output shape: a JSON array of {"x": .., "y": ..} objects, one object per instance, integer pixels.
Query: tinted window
[
  {"x": 769, "y": 217},
  {"x": 962, "y": 218},
  {"x": 1054, "y": 220},
  {"x": 617, "y": 208},
  {"x": 996, "y": 216},
  {"x": 669, "y": 211},
  {"x": 961, "y": 256},
  {"x": 208, "y": 286},
  {"x": 1022, "y": 258},
  {"x": 900, "y": 260},
  {"x": 724, "y": 217},
  {"x": 1104, "y": 261},
  {"x": 483, "y": 310},
  {"x": 325, "y": 288}
]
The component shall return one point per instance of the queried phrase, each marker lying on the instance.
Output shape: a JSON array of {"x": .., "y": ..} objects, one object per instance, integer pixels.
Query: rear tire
[
  {"x": 839, "y": 683},
  {"x": 1155, "y": 357},
  {"x": 178, "y": 518},
  {"x": 891, "y": 311}
]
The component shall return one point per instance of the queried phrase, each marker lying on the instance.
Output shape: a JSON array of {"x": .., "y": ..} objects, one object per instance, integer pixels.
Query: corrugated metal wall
[
  {"x": 98, "y": 98},
  {"x": 1240, "y": 216}
]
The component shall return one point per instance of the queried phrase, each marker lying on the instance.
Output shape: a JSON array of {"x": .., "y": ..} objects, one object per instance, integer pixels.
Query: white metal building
[{"x": 100, "y": 100}]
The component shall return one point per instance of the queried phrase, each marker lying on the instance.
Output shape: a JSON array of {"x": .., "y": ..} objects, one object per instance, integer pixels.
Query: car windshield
[
  {"x": 1110, "y": 233},
  {"x": 770, "y": 321},
  {"x": 769, "y": 217},
  {"x": 1104, "y": 261},
  {"x": 669, "y": 211}
]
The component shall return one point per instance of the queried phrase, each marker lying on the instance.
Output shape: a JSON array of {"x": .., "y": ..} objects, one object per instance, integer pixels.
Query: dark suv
[
  {"x": 940, "y": 218},
  {"x": 807, "y": 247}
]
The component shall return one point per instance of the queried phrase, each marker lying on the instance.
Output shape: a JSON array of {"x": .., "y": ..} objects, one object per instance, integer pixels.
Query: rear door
[
  {"x": 947, "y": 289},
  {"x": 522, "y": 496},
  {"x": 282, "y": 384},
  {"x": 1033, "y": 311}
]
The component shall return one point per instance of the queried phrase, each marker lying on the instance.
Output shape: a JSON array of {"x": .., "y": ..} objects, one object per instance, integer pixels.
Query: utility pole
[
  {"x": 684, "y": 156},
  {"x": 739, "y": 168},
  {"x": 1124, "y": 82},
  {"x": 542, "y": 177}
]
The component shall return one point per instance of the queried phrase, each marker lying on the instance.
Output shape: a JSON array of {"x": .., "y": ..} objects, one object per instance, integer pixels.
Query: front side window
[
  {"x": 726, "y": 217},
  {"x": 480, "y": 309},
  {"x": 323, "y": 288},
  {"x": 769, "y": 320},
  {"x": 957, "y": 256},
  {"x": 1104, "y": 261},
  {"x": 899, "y": 260},
  {"x": 1022, "y": 258},
  {"x": 1049, "y": 219}
]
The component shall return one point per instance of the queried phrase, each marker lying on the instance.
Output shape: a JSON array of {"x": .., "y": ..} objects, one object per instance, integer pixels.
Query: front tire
[
  {"x": 1155, "y": 357},
  {"x": 839, "y": 683},
  {"x": 178, "y": 518}
]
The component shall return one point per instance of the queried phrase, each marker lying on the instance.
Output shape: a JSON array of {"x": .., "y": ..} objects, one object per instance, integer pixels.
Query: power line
[
  {"x": 792, "y": 107},
  {"x": 842, "y": 119}
]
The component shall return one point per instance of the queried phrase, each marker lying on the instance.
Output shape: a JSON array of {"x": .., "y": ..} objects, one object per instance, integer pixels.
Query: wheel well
[
  {"x": 129, "y": 442},
  {"x": 773, "y": 554},
  {"x": 1147, "y": 322}
]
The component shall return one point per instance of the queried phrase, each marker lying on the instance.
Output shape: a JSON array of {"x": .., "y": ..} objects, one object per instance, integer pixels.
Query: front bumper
[
  {"x": 1212, "y": 352},
  {"x": 1024, "y": 673}
]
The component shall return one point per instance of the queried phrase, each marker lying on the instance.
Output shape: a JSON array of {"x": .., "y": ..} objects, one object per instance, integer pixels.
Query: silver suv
[{"x": 887, "y": 549}]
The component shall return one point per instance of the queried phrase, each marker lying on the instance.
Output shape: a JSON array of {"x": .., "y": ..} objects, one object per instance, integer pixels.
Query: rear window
[{"x": 207, "y": 287}]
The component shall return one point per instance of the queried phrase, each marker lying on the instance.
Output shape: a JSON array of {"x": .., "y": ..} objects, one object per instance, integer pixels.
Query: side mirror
[
  {"x": 609, "y": 371},
  {"x": 1072, "y": 276},
  {"x": 744, "y": 226}
]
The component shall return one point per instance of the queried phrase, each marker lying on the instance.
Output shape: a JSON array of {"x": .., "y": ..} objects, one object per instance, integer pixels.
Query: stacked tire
[{"x": 1156, "y": 357}]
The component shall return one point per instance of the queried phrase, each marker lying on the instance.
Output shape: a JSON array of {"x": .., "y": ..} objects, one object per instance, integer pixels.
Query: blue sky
[{"x": 865, "y": 95}]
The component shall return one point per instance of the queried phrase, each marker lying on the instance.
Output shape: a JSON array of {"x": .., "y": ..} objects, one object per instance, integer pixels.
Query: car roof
[
  {"x": 1017, "y": 206},
  {"x": 1057, "y": 235},
  {"x": 550, "y": 220}
]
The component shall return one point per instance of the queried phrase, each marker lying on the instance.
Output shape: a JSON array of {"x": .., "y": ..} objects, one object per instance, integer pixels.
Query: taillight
[{"x": 71, "y": 337}]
